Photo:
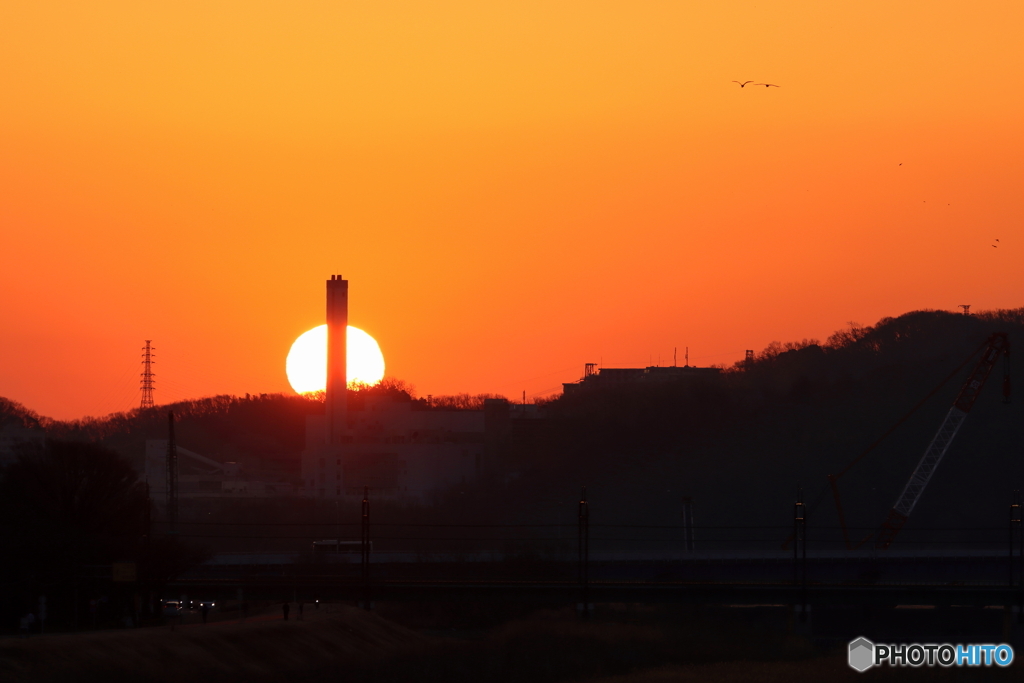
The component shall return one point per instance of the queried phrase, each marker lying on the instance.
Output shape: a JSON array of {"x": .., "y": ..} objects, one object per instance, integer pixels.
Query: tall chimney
[{"x": 337, "y": 374}]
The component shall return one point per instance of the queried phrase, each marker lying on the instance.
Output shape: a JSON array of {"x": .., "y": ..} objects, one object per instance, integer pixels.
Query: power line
[{"x": 667, "y": 527}]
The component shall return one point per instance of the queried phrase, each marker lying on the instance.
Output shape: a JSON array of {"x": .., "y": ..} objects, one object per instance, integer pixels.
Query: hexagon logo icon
[{"x": 862, "y": 654}]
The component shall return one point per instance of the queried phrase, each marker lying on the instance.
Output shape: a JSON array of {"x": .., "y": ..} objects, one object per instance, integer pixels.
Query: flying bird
[
  {"x": 745, "y": 82},
  {"x": 767, "y": 85},
  {"x": 997, "y": 239}
]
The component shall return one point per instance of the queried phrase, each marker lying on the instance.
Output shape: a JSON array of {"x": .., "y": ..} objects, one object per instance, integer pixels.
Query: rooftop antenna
[
  {"x": 966, "y": 307},
  {"x": 147, "y": 375}
]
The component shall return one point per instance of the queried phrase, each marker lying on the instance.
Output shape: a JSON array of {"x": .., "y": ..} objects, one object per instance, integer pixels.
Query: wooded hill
[{"x": 740, "y": 444}]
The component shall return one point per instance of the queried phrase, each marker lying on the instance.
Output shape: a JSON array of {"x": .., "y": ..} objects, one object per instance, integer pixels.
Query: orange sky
[{"x": 512, "y": 189}]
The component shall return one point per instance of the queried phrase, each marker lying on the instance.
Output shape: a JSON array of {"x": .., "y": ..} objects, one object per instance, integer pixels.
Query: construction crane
[{"x": 997, "y": 345}]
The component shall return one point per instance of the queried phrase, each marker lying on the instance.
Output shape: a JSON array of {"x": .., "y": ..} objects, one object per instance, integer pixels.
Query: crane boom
[{"x": 998, "y": 345}]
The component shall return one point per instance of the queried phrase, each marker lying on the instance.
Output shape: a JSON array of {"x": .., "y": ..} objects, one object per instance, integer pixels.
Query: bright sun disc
[{"x": 306, "y": 365}]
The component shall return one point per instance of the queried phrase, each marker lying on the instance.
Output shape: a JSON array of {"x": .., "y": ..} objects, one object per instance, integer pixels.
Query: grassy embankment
[{"x": 346, "y": 644}]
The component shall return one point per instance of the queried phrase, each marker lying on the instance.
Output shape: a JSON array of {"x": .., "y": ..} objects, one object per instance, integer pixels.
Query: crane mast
[{"x": 998, "y": 345}]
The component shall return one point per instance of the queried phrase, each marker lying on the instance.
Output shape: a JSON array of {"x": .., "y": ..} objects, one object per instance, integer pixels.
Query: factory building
[
  {"x": 398, "y": 447},
  {"x": 596, "y": 378},
  {"x": 203, "y": 477}
]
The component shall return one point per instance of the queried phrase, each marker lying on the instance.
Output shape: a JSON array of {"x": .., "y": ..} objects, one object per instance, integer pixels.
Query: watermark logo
[{"x": 863, "y": 654}]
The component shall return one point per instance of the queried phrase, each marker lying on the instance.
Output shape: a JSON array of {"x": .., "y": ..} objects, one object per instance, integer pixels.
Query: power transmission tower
[{"x": 147, "y": 375}]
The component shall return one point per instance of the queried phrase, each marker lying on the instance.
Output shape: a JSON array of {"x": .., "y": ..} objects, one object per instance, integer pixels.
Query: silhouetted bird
[
  {"x": 768, "y": 85},
  {"x": 743, "y": 83},
  {"x": 997, "y": 239}
]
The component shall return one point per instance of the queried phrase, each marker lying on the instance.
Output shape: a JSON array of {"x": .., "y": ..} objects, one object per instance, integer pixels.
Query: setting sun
[{"x": 306, "y": 365}]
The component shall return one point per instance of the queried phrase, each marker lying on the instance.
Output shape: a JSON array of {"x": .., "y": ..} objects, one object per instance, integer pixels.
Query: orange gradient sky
[{"x": 512, "y": 189}]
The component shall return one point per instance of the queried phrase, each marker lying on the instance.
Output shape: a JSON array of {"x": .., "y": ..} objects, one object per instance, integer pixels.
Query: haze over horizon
[{"x": 511, "y": 191}]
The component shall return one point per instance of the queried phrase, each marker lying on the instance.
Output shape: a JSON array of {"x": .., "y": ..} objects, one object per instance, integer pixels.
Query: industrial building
[
  {"x": 203, "y": 477},
  {"x": 595, "y": 378},
  {"x": 398, "y": 447}
]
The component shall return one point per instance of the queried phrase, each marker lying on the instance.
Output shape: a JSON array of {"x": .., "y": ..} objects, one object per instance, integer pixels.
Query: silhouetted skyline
[{"x": 516, "y": 192}]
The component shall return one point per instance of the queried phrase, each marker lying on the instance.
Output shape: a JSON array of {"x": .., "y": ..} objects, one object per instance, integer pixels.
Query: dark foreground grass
[
  {"x": 617, "y": 646},
  {"x": 646, "y": 645},
  {"x": 254, "y": 651},
  {"x": 832, "y": 669}
]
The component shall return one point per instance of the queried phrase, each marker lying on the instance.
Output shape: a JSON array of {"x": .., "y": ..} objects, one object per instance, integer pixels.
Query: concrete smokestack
[{"x": 337, "y": 350}]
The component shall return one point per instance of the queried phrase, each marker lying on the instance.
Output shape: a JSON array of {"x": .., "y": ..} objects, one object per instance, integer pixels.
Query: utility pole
[
  {"x": 147, "y": 541},
  {"x": 800, "y": 550},
  {"x": 172, "y": 475},
  {"x": 365, "y": 548},
  {"x": 688, "y": 524},
  {"x": 584, "y": 552},
  {"x": 1017, "y": 539},
  {"x": 147, "y": 375}
]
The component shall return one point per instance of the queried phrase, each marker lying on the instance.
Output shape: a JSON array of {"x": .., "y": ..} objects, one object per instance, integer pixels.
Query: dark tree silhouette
[
  {"x": 67, "y": 513},
  {"x": 75, "y": 503},
  {"x": 12, "y": 412}
]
